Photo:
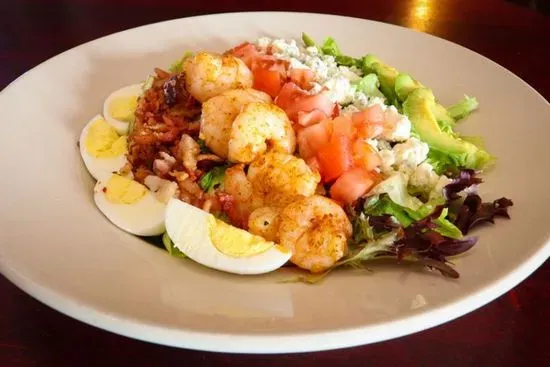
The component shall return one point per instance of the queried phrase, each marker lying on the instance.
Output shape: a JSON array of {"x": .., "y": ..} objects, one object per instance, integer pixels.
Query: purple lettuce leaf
[
  {"x": 474, "y": 212},
  {"x": 420, "y": 243},
  {"x": 466, "y": 179}
]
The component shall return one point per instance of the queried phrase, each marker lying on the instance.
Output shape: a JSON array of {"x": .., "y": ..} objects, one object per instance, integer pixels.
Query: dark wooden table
[{"x": 510, "y": 331}]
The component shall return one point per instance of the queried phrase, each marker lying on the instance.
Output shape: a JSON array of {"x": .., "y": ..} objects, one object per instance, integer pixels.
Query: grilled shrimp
[
  {"x": 237, "y": 185},
  {"x": 218, "y": 114},
  {"x": 265, "y": 222},
  {"x": 279, "y": 179},
  {"x": 273, "y": 181},
  {"x": 208, "y": 75},
  {"x": 260, "y": 127},
  {"x": 316, "y": 229}
]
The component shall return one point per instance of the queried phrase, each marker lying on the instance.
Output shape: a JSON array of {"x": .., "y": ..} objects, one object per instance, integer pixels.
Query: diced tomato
[
  {"x": 302, "y": 77},
  {"x": 269, "y": 74},
  {"x": 335, "y": 157},
  {"x": 246, "y": 52},
  {"x": 312, "y": 138},
  {"x": 369, "y": 122},
  {"x": 365, "y": 156},
  {"x": 293, "y": 99},
  {"x": 270, "y": 63},
  {"x": 311, "y": 118},
  {"x": 351, "y": 185},
  {"x": 343, "y": 125},
  {"x": 319, "y": 101},
  {"x": 337, "y": 110},
  {"x": 373, "y": 114},
  {"x": 369, "y": 131},
  {"x": 268, "y": 81},
  {"x": 288, "y": 94}
]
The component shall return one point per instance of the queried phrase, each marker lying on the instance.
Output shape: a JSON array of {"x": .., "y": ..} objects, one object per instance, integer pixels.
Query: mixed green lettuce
[
  {"x": 369, "y": 85},
  {"x": 177, "y": 66},
  {"x": 170, "y": 247},
  {"x": 213, "y": 178},
  {"x": 377, "y": 206},
  {"x": 395, "y": 221}
]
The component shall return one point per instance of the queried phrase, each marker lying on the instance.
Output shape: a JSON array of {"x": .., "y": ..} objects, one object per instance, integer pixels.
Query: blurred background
[{"x": 539, "y": 5}]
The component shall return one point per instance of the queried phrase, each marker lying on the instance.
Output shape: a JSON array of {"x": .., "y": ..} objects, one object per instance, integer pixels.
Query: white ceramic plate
[{"x": 56, "y": 245}]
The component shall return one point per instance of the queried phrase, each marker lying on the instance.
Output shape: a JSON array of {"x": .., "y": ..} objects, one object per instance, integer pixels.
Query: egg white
[
  {"x": 187, "y": 226},
  {"x": 120, "y": 126},
  {"x": 142, "y": 218},
  {"x": 100, "y": 168}
]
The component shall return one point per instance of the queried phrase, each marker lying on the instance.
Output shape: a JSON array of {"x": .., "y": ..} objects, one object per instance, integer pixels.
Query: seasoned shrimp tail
[
  {"x": 316, "y": 229},
  {"x": 278, "y": 179},
  {"x": 218, "y": 114},
  {"x": 208, "y": 75},
  {"x": 265, "y": 222},
  {"x": 273, "y": 181},
  {"x": 258, "y": 128}
]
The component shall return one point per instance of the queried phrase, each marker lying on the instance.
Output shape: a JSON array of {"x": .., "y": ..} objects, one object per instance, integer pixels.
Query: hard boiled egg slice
[
  {"x": 102, "y": 149},
  {"x": 120, "y": 107},
  {"x": 130, "y": 206},
  {"x": 218, "y": 245}
]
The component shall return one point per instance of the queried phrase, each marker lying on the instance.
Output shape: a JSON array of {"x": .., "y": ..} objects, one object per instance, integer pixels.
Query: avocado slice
[
  {"x": 444, "y": 119},
  {"x": 421, "y": 109},
  {"x": 386, "y": 75},
  {"x": 367, "y": 63},
  {"x": 404, "y": 85}
]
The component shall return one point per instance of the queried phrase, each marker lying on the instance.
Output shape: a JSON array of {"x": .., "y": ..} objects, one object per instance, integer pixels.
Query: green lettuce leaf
[
  {"x": 170, "y": 247},
  {"x": 446, "y": 228},
  {"x": 406, "y": 216},
  {"x": 369, "y": 85},
  {"x": 147, "y": 84},
  {"x": 177, "y": 66},
  {"x": 202, "y": 145},
  {"x": 451, "y": 163},
  {"x": 362, "y": 230},
  {"x": 308, "y": 41},
  {"x": 384, "y": 205},
  {"x": 345, "y": 60},
  {"x": 213, "y": 178},
  {"x": 396, "y": 188},
  {"x": 463, "y": 108},
  {"x": 442, "y": 163},
  {"x": 330, "y": 47}
]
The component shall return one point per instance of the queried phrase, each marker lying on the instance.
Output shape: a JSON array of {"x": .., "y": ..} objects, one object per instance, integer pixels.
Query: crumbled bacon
[
  {"x": 188, "y": 150},
  {"x": 164, "y": 114},
  {"x": 207, "y": 205},
  {"x": 158, "y": 124},
  {"x": 163, "y": 165},
  {"x": 141, "y": 173},
  {"x": 230, "y": 206}
]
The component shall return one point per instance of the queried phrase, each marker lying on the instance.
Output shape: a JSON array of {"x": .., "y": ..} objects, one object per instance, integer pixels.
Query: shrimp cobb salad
[{"x": 289, "y": 153}]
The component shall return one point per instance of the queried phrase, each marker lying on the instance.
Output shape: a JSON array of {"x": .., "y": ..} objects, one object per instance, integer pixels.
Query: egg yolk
[
  {"x": 122, "y": 190},
  {"x": 123, "y": 108},
  {"x": 233, "y": 241},
  {"x": 103, "y": 141}
]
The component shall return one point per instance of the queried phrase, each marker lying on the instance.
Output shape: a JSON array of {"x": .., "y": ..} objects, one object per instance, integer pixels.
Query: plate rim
[{"x": 273, "y": 343}]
